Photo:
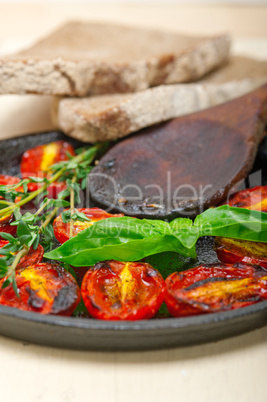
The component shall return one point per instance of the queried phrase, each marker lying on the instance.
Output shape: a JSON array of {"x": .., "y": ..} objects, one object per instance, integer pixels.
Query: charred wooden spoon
[{"x": 184, "y": 165}]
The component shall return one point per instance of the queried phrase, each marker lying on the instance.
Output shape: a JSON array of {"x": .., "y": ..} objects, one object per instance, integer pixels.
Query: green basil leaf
[
  {"x": 232, "y": 222},
  {"x": 185, "y": 231},
  {"x": 120, "y": 239},
  {"x": 133, "y": 239}
]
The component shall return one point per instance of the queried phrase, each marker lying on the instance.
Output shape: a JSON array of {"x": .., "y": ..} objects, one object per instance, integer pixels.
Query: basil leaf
[
  {"x": 131, "y": 239},
  {"x": 185, "y": 231},
  {"x": 120, "y": 239},
  {"x": 232, "y": 222}
]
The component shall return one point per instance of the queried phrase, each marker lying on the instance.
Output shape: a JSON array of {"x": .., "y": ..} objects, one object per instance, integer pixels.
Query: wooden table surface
[{"x": 229, "y": 370}]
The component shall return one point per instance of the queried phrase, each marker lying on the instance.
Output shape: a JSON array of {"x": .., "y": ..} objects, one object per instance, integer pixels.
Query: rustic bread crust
[
  {"x": 108, "y": 117},
  {"x": 94, "y": 58}
]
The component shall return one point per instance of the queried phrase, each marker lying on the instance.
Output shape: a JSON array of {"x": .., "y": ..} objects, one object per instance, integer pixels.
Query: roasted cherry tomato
[
  {"x": 114, "y": 290},
  {"x": 62, "y": 230},
  {"x": 43, "y": 288},
  {"x": 37, "y": 161},
  {"x": 214, "y": 288},
  {"x": 33, "y": 256},
  {"x": 6, "y": 220},
  {"x": 8, "y": 180},
  {"x": 5, "y": 224},
  {"x": 252, "y": 198},
  {"x": 233, "y": 250}
]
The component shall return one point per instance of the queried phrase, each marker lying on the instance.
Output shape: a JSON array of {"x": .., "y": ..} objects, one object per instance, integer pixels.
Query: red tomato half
[
  {"x": 37, "y": 161},
  {"x": 43, "y": 288},
  {"x": 231, "y": 251},
  {"x": 5, "y": 224},
  {"x": 252, "y": 198},
  {"x": 62, "y": 230},
  {"x": 33, "y": 256},
  {"x": 6, "y": 220},
  {"x": 114, "y": 290},
  {"x": 214, "y": 288},
  {"x": 8, "y": 180}
]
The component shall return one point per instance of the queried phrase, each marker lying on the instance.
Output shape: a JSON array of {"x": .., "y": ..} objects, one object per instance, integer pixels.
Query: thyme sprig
[
  {"x": 79, "y": 165},
  {"x": 36, "y": 228}
]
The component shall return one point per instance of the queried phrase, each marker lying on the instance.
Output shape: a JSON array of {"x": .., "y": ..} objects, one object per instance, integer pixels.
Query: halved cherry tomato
[
  {"x": 62, "y": 230},
  {"x": 8, "y": 180},
  {"x": 43, "y": 288},
  {"x": 33, "y": 256},
  {"x": 214, "y": 288},
  {"x": 252, "y": 198},
  {"x": 36, "y": 162},
  {"x": 6, "y": 220},
  {"x": 5, "y": 224},
  {"x": 231, "y": 251},
  {"x": 114, "y": 290}
]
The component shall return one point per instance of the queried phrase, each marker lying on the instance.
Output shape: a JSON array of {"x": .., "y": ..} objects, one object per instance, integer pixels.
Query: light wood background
[{"x": 230, "y": 370}]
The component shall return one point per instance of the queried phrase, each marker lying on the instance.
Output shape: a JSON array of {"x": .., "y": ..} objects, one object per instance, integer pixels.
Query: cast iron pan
[{"x": 90, "y": 334}]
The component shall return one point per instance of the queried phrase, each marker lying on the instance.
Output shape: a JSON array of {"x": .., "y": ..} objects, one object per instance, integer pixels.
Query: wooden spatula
[{"x": 184, "y": 165}]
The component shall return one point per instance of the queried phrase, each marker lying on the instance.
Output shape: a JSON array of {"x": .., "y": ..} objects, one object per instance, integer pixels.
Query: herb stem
[
  {"x": 10, "y": 209},
  {"x": 17, "y": 259},
  {"x": 5, "y": 202},
  {"x": 41, "y": 208},
  {"x": 20, "y": 254},
  {"x": 72, "y": 195},
  {"x": 48, "y": 219}
]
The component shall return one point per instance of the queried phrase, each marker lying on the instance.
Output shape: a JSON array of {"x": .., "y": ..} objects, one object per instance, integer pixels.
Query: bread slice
[
  {"x": 238, "y": 68},
  {"x": 108, "y": 117},
  {"x": 84, "y": 58}
]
